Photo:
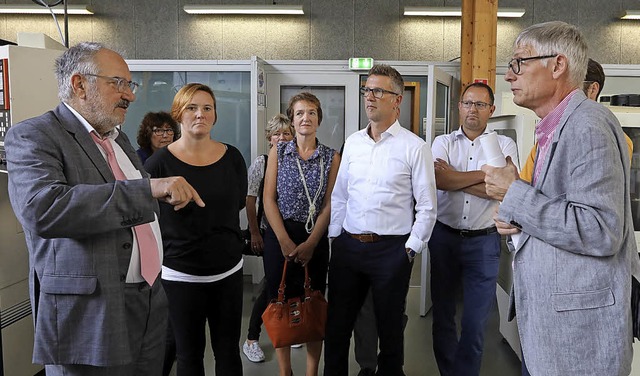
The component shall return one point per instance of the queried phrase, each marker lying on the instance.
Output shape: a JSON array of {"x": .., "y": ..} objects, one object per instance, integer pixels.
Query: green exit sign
[{"x": 360, "y": 63}]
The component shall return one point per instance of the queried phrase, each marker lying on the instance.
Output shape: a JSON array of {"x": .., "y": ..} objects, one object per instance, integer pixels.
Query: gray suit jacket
[
  {"x": 77, "y": 221},
  {"x": 573, "y": 266}
]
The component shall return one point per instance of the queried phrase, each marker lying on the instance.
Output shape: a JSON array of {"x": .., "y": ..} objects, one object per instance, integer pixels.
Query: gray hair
[
  {"x": 78, "y": 59},
  {"x": 556, "y": 37},
  {"x": 277, "y": 123},
  {"x": 386, "y": 70}
]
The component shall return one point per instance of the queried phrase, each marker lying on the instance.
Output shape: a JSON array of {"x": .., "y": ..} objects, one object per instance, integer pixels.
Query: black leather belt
[
  {"x": 371, "y": 237},
  {"x": 470, "y": 233}
]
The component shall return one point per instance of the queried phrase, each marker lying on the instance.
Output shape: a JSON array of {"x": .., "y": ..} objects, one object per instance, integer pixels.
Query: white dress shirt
[
  {"x": 129, "y": 170},
  {"x": 459, "y": 209},
  {"x": 377, "y": 184}
]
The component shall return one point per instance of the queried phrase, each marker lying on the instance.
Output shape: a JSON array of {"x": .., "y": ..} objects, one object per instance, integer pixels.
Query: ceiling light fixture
[
  {"x": 457, "y": 12},
  {"x": 37, "y": 9},
  {"x": 631, "y": 15},
  {"x": 243, "y": 9}
]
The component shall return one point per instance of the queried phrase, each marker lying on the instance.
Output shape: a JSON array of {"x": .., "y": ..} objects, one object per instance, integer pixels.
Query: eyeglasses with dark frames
[
  {"x": 481, "y": 106},
  {"x": 376, "y": 91},
  {"x": 121, "y": 83},
  {"x": 162, "y": 131},
  {"x": 515, "y": 63}
]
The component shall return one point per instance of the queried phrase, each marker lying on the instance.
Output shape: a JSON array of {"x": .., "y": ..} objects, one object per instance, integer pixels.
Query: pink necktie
[{"x": 147, "y": 244}]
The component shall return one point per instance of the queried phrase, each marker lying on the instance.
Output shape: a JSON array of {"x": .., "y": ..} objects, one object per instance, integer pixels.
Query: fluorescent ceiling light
[
  {"x": 457, "y": 12},
  {"x": 39, "y": 9},
  {"x": 243, "y": 9},
  {"x": 631, "y": 15},
  {"x": 510, "y": 12}
]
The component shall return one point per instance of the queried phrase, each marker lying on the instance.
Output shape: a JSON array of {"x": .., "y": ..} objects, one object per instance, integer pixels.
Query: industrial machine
[{"x": 28, "y": 88}]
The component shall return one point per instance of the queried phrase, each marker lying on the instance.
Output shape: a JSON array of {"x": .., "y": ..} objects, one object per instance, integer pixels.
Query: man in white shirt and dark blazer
[{"x": 383, "y": 208}]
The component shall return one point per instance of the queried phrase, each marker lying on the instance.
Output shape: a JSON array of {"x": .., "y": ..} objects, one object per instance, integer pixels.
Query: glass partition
[
  {"x": 442, "y": 110},
  {"x": 233, "y": 103}
]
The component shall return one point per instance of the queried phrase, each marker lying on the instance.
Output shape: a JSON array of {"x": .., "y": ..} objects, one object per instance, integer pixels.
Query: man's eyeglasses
[
  {"x": 121, "y": 83},
  {"x": 161, "y": 132},
  {"x": 481, "y": 106},
  {"x": 515, "y": 63},
  {"x": 376, "y": 91}
]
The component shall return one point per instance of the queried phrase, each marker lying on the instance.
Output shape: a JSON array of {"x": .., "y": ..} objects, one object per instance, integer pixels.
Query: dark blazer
[
  {"x": 573, "y": 265},
  {"x": 77, "y": 220}
]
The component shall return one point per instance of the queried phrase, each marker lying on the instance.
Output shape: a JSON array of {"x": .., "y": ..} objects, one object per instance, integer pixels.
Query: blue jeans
[{"x": 472, "y": 262}]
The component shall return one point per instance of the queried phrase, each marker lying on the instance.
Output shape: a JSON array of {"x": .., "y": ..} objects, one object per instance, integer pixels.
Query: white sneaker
[
  {"x": 253, "y": 352},
  {"x": 296, "y": 346}
]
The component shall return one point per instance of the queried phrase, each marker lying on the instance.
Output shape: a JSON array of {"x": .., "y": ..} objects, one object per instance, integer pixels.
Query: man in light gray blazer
[
  {"x": 572, "y": 227},
  {"x": 94, "y": 313}
]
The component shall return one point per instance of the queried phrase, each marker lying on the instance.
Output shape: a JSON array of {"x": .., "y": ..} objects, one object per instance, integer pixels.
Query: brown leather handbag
[{"x": 296, "y": 320}]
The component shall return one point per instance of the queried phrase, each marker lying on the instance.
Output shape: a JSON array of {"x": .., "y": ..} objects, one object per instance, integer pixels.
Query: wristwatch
[{"x": 411, "y": 254}]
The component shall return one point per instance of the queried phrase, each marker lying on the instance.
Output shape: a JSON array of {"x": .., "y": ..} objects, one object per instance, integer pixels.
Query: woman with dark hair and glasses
[{"x": 157, "y": 130}]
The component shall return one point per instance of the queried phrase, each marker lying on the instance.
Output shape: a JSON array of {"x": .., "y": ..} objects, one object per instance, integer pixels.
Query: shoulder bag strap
[{"x": 282, "y": 284}]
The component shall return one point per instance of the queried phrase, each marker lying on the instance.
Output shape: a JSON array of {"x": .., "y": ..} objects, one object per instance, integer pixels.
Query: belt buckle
[
  {"x": 368, "y": 238},
  {"x": 465, "y": 233}
]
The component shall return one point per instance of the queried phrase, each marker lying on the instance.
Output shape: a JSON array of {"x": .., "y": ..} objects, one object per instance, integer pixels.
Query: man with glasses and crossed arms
[
  {"x": 465, "y": 245},
  {"x": 89, "y": 211},
  {"x": 576, "y": 249},
  {"x": 383, "y": 208}
]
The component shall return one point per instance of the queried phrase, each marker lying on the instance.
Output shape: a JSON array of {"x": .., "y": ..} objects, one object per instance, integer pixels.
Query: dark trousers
[
  {"x": 219, "y": 304},
  {"x": 169, "y": 351},
  {"x": 472, "y": 262},
  {"x": 255, "y": 321},
  {"x": 365, "y": 336},
  {"x": 355, "y": 268},
  {"x": 146, "y": 309},
  {"x": 274, "y": 263}
]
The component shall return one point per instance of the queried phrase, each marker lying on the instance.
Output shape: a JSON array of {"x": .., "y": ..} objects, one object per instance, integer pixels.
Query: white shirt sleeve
[
  {"x": 339, "y": 196},
  {"x": 424, "y": 192}
]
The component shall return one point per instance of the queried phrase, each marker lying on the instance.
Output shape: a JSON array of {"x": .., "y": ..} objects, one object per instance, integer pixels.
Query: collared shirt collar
[
  {"x": 392, "y": 130},
  {"x": 545, "y": 130},
  {"x": 547, "y": 126},
  {"x": 459, "y": 133},
  {"x": 112, "y": 134}
]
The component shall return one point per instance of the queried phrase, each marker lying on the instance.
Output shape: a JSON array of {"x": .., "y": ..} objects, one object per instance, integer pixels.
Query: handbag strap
[
  {"x": 307, "y": 283},
  {"x": 261, "y": 190}
]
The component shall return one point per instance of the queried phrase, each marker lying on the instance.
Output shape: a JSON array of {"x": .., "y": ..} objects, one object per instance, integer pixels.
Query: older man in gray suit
[
  {"x": 575, "y": 246},
  {"x": 81, "y": 203}
]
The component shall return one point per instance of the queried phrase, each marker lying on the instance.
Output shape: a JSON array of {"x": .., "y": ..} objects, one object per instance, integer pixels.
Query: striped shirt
[{"x": 545, "y": 130}]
